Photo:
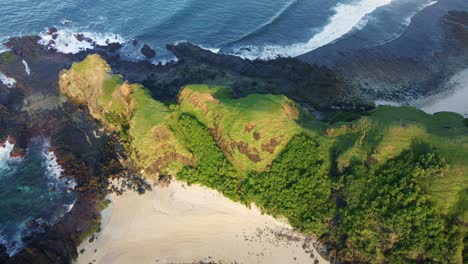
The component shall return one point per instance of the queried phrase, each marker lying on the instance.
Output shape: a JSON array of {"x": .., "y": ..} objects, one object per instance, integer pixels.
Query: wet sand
[
  {"x": 182, "y": 224},
  {"x": 455, "y": 99}
]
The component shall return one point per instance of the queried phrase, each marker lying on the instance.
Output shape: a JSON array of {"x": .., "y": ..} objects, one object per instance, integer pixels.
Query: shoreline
[
  {"x": 192, "y": 224},
  {"x": 452, "y": 99}
]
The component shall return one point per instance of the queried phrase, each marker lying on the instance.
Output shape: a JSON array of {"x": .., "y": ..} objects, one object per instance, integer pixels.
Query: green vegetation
[
  {"x": 388, "y": 186},
  {"x": 296, "y": 186},
  {"x": 389, "y": 216},
  {"x": 7, "y": 57},
  {"x": 252, "y": 131},
  {"x": 129, "y": 110},
  {"x": 213, "y": 169},
  {"x": 342, "y": 117}
]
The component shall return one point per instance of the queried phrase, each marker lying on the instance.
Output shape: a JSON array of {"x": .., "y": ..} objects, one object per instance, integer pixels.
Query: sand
[
  {"x": 455, "y": 99},
  {"x": 182, "y": 224}
]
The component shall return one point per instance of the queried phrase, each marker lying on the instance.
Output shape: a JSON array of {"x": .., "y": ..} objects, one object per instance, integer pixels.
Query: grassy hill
[{"x": 341, "y": 179}]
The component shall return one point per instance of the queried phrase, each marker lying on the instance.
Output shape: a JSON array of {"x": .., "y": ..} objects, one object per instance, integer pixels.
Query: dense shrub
[
  {"x": 213, "y": 169},
  {"x": 296, "y": 186},
  {"x": 389, "y": 217}
]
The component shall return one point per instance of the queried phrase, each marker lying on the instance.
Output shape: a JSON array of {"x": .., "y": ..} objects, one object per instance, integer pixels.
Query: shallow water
[
  {"x": 32, "y": 194},
  {"x": 454, "y": 99}
]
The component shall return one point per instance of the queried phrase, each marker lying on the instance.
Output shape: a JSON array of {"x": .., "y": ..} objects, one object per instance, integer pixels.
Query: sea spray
[
  {"x": 26, "y": 67},
  {"x": 33, "y": 193},
  {"x": 5, "y": 152},
  {"x": 7, "y": 81},
  {"x": 54, "y": 170},
  {"x": 70, "y": 42}
]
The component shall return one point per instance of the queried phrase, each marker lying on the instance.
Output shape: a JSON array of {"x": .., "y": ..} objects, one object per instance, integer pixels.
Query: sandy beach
[
  {"x": 455, "y": 99},
  {"x": 182, "y": 224}
]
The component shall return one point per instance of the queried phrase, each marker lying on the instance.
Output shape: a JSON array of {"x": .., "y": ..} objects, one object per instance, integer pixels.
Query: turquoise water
[{"x": 32, "y": 194}]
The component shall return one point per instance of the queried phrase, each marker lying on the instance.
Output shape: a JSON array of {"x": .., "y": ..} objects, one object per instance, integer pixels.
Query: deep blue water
[{"x": 261, "y": 28}]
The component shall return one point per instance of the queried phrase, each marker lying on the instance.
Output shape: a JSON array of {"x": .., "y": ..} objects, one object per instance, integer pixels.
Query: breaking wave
[
  {"x": 70, "y": 42},
  {"x": 347, "y": 17}
]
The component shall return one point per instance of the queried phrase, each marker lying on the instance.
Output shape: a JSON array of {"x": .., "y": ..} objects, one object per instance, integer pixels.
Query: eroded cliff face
[
  {"x": 251, "y": 131},
  {"x": 85, "y": 82},
  {"x": 128, "y": 109}
]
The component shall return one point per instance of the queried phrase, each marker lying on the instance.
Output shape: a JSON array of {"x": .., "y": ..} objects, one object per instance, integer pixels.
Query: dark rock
[
  {"x": 134, "y": 42},
  {"x": 79, "y": 37},
  {"x": 148, "y": 52},
  {"x": 113, "y": 47},
  {"x": 52, "y": 31},
  {"x": 3, "y": 254}
]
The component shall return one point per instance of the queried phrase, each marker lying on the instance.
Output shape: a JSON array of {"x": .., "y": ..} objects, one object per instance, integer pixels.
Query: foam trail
[
  {"x": 407, "y": 21},
  {"x": 269, "y": 22},
  {"x": 7, "y": 81},
  {"x": 347, "y": 17},
  {"x": 26, "y": 67},
  {"x": 54, "y": 170},
  {"x": 5, "y": 152}
]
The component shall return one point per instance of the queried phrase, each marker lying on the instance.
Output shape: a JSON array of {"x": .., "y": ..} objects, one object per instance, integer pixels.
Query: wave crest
[{"x": 347, "y": 17}]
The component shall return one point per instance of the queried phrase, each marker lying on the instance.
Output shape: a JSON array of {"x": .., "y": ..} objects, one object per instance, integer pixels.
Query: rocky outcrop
[
  {"x": 148, "y": 51},
  {"x": 119, "y": 105}
]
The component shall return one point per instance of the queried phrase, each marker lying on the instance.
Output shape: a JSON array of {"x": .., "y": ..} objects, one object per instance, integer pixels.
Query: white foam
[
  {"x": 453, "y": 99},
  {"x": 387, "y": 102},
  {"x": 65, "y": 21},
  {"x": 347, "y": 17},
  {"x": 361, "y": 24},
  {"x": 7, "y": 81},
  {"x": 70, "y": 206},
  {"x": 54, "y": 170},
  {"x": 408, "y": 19},
  {"x": 5, "y": 153},
  {"x": 66, "y": 41},
  {"x": 405, "y": 22},
  {"x": 26, "y": 67},
  {"x": 214, "y": 50}
]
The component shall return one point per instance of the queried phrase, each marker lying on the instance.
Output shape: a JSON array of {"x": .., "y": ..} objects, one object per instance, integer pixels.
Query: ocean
[{"x": 251, "y": 29}]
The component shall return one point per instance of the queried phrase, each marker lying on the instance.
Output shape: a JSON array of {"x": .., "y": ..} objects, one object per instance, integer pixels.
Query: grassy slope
[
  {"x": 387, "y": 131},
  {"x": 128, "y": 108},
  {"x": 257, "y": 120},
  {"x": 241, "y": 127}
]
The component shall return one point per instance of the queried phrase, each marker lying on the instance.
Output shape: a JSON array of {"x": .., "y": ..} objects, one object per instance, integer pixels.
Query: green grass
[
  {"x": 90, "y": 64},
  {"x": 388, "y": 131},
  {"x": 110, "y": 99},
  {"x": 254, "y": 120},
  {"x": 7, "y": 57}
]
